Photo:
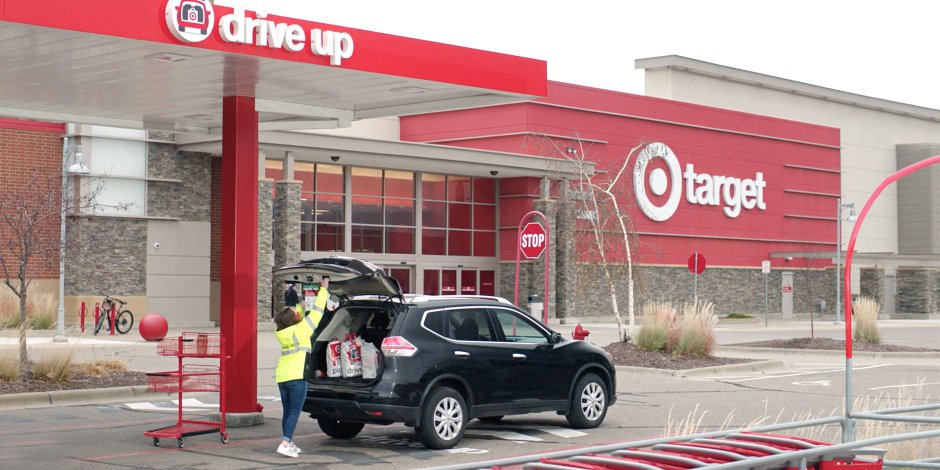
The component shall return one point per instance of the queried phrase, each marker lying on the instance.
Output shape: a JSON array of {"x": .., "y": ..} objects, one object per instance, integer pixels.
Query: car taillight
[{"x": 397, "y": 346}]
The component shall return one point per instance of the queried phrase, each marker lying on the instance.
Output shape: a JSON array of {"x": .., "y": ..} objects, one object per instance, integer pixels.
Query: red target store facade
[{"x": 733, "y": 186}]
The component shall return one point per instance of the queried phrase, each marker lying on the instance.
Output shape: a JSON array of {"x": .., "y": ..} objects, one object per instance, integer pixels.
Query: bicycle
[{"x": 123, "y": 318}]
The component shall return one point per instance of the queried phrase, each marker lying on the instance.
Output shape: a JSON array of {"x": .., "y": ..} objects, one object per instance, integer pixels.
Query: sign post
[
  {"x": 696, "y": 267},
  {"x": 765, "y": 268},
  {"x": 531, "y": 241}
]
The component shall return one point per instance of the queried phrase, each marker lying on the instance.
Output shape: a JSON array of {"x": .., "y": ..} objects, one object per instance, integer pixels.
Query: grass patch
[
  {"x": 735, "y": 315},
  {"x": 101, "y": 367},
  {"x": 659, "y": 319},
  {"x": 9, "y": 367},
  {"x": 696, "y": 330},
  {"x": 866, "y": 311},
  {"x": 55, "y": 367}
]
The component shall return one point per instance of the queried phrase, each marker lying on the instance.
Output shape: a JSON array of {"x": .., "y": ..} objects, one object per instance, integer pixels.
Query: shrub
[
  {"x": 659, "y": 319},
  {"x": 696, "y": 330},
  {"x": 866, "y": 311},
  {"x": 101, "y": 367},
  {"x": 56, "y": 367},
  {"x": 41, "y": 310},
  {"x": 738, "y": 315},
  {"x": 9, "y": 367}
]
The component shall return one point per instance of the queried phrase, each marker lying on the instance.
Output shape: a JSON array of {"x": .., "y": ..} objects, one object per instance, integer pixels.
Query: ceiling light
[
  {"x": 168, "y": 57},
  {"x": 409, "y": 89},
  {"x": 200, "y": 117}
]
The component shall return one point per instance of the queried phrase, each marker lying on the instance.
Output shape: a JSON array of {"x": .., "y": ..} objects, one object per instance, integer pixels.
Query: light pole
[
  {"x": 852, "y": 217},
  {"x": 78, "y": 168}
]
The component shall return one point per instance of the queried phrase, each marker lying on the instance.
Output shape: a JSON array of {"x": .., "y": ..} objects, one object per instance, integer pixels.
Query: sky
[{"x": 883, "y": 49}]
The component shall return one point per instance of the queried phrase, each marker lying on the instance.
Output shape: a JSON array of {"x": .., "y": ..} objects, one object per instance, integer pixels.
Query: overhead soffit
[{"x": 92, "y": 71}]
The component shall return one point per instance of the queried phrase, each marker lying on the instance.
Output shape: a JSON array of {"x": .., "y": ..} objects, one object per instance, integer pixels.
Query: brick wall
[{"x": 31, "y": 148}]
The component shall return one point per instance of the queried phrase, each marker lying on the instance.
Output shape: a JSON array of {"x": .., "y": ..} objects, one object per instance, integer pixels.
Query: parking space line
[
  {"x": 779, "y": 376},
  {"x": 904, "y": 386},
  {"x": 506, "y": 435}
]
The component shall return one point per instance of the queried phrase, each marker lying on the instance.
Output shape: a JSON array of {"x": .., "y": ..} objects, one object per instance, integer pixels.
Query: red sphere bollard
[
  {"x": 580, "y": 333},
  {"x": 153, "y": 327}
]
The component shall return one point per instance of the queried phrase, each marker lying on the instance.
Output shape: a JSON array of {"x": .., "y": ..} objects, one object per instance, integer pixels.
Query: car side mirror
[{"x": 556, "y": 337}]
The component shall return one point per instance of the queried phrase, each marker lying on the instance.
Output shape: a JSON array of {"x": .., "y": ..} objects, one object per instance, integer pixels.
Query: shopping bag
[
  {"x": 351, "y": 356},
  {"x": 334, "y": 367},
  {"x": 370, "y": 360}
]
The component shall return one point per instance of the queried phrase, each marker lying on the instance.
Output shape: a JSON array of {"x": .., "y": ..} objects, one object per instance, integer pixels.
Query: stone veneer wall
[
  {"x": 286, "y": 239},
  {"x": 111, "y": 259},
  {"x": 918, "y": 293},
  {"x": 187, "y": 199},
  {"x": 730, "y": 289},
  {"x": 872, "y": 284},
  {"x": 265, "y": 249}
]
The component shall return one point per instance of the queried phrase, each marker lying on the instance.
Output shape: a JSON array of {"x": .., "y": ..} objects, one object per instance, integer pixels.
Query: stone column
[
  {"x": 565, "y": 260},
  {"x": 917, "y": 292},
  {"x": 265, "y": 252},
  {"x": 286, "y": 239},
  {"x": 872, "y": 283}
]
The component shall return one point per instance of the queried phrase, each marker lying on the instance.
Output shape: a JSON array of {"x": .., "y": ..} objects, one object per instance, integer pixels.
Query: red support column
[{"x": 239, "y": 253}]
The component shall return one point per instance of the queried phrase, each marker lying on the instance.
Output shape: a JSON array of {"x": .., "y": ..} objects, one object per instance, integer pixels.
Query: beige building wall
[{"x": 870, "y": 128}]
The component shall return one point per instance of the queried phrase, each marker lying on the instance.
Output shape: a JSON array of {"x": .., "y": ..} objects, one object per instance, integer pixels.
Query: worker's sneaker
[
  {"x": 295, "y": 448},
  {"x": 286, "y": 451}
]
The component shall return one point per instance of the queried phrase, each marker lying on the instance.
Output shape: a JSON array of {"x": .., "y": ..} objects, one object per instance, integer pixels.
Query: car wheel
[
  {"x": 491, "y": 419},
  {"x": 339, "y": 429},
  {"x": 443, "y": 419},
  {"x": 588, "y": 403}
]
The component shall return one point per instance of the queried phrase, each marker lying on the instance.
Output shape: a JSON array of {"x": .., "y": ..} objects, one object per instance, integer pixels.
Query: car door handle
[
  {"x": 461, "y": 354},
  {"x": 518, "y": 356}
]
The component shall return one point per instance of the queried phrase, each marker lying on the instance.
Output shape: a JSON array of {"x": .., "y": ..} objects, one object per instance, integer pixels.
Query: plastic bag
[
  {"x": 351, "y": 356},
  {"x": 370, "y": 360},
  {"x": 334, "y": 367}
]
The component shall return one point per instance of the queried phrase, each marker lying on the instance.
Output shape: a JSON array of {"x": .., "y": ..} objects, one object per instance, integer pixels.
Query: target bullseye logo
[
  {"x": 190, "y": 20},
  {"x": 659, "y": 181}
]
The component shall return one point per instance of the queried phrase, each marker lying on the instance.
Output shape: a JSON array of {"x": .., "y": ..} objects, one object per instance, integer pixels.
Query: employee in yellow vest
[{"x": 293, "y": 334}]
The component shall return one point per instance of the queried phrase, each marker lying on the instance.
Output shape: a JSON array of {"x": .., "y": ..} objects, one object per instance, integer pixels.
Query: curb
[
  {"x": 756, "y": 366},
  {"x": 88, "y": 396},
  {"x": 829, "y": 353}
]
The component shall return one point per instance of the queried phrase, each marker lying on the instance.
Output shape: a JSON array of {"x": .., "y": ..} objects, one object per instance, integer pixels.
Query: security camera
[
  {"x": 335, "y": 158},
  {"x": 156, "y": 245},
  {"x": 494, "y": 172}
]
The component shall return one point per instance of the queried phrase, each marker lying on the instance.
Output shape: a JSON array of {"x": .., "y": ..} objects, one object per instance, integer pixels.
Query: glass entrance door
[
  {"x": 464, "y": 281},
  {"x": 404, "y": 276}
]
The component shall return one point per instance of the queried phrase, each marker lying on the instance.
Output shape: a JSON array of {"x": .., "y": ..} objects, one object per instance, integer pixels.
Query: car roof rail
[{"x": 416, "y": 298}]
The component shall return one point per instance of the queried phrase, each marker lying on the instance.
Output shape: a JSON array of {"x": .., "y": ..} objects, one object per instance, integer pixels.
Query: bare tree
[
  {"x": 30, "y": 214},
  {"x": 608, "y": 223}
]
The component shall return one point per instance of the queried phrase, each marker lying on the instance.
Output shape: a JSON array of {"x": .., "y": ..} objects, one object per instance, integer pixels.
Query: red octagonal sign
[{"x": 532, "y": 240}]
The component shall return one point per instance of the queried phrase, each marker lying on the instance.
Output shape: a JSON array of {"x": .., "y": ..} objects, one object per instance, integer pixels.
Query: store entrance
[
  {"x": 404, "y": 275},
  {"x": 459, "y": 281}
]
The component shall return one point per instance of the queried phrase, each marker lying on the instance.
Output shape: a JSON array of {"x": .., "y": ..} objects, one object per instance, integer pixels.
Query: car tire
[
  {"x": 443, "y": 419},
  {"x": 588, "y": 403},
  {"x": 491, "y": 419},
  {"x": 339, "y": 429}
]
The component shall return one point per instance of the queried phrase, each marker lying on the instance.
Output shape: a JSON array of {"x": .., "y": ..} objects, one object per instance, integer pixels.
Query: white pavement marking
[
  {"x": 903, "y": 386},
  {"x": 190, "y": 404},
  {"x": 780, "y": 376},
  {"x": 507, "y": 435},
  {"x": 555, "y": 430},
  {"x": 822, "y": 383},
  {"x": 194, "y": 403}
]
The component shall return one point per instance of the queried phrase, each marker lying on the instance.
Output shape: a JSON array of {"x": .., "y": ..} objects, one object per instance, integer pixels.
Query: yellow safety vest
[{"x": 295, "y": 342}]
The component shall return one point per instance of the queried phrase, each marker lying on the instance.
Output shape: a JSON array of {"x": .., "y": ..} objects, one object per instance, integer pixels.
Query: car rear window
[{"x": 372, "y": 324}]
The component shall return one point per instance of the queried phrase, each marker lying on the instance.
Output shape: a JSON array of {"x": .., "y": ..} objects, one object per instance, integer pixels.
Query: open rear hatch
[{"x": 349, "y": 277}]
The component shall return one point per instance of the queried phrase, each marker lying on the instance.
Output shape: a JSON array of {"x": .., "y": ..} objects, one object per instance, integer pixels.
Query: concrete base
[{"x": 239, "y": 420}]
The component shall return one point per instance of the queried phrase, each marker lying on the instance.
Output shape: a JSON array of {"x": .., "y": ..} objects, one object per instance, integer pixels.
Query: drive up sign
[{"x": 532, "y": 241}]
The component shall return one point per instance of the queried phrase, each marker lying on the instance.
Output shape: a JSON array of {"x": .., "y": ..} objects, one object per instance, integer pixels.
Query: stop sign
[
  {"x": 696, "y": 263},
  {"x": 532, "y": 240}
]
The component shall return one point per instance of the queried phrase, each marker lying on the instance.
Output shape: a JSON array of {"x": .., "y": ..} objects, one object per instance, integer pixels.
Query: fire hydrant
[{"x": 580, "y": 333}]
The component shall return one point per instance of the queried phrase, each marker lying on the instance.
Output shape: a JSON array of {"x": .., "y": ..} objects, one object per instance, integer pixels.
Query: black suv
[{"x": 443, "y": 360}]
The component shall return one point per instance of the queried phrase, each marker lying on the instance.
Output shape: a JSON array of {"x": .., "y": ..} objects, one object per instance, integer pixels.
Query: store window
[
  {"x": 383, "y": 211},
  {"x": 322, "y": 206},
  {"x": 458, "y": 215}
]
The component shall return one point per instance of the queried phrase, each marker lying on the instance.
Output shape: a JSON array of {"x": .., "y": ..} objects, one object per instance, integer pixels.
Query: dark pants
[{"x": 293, "y": 394}]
